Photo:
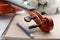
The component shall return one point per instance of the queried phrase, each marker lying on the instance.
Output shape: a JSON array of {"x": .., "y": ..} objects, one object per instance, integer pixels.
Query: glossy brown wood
[
  {"x": 6, "y": 8},
  {"x": 45, "y": 24}
]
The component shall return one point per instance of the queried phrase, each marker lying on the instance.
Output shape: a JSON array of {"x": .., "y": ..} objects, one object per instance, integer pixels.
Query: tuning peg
[
  {"x": 28, "y": 19},
  {"x": 43, "y": 13},
  {"x": 33, "y": 26}
]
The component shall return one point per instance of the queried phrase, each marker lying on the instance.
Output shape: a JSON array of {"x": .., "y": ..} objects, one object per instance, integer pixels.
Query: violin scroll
[{"x": 45, "y": 24}]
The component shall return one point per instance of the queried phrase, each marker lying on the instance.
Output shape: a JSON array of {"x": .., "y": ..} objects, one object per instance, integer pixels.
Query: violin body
[{"x": 6, "y": 8}]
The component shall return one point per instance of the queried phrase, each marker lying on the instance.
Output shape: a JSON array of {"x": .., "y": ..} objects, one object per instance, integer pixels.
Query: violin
[{"x": 45, "y": 24}]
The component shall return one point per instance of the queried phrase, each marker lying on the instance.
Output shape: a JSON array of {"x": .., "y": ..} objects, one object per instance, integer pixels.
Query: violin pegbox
[{"x": 45, "y": 24}]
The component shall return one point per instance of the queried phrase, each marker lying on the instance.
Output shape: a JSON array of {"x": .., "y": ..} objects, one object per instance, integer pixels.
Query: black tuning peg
[
  {"x": 28, "y": 19},
  {"x": 33, "y": 26},
  {"x": 43, "y": 13}
]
